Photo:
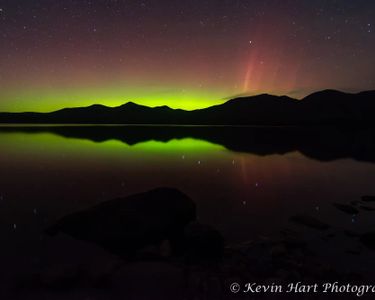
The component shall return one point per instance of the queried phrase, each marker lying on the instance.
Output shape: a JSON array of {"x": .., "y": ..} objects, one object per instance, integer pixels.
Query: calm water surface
[{"x": 44, "y": 176}]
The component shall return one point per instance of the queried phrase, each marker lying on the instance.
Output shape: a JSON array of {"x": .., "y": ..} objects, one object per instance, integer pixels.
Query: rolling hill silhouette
[{"x": 323, "y": 108}]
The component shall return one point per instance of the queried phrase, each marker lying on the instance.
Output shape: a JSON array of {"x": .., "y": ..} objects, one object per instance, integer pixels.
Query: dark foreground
[{"x": 151, "y": 246}]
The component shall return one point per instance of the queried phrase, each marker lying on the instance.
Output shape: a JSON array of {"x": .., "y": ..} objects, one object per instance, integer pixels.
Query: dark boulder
[{"x": 125, "y": 225}]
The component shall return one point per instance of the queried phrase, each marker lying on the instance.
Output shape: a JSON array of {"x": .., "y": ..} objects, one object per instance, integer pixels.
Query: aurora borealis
[{"x": 184, "y": 54}]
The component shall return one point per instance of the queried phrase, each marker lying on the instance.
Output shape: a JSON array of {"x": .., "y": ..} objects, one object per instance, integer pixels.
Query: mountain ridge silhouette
[{"x": 322, "y": 107}]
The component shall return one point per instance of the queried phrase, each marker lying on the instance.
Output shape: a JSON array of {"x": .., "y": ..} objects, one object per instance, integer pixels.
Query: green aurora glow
[
  {"x": 50, "y": 144},
  {"x": 46, "y": 100}
]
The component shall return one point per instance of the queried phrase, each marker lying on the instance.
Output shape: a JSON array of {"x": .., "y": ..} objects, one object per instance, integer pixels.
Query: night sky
[{"x": 185, "y": 54}]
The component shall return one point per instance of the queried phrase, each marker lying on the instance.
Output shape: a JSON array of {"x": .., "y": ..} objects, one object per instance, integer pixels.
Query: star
[{"x": 144, "y": 43}]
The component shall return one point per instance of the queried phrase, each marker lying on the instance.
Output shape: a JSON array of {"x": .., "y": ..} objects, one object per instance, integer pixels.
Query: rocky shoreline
[{"x": 192, "y": 261}]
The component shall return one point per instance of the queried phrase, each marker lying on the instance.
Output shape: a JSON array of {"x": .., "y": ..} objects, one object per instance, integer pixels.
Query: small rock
[
  {"x": 350, "y": 233},
  {"x": 203, "y": 243},
  {"x": 368, "y": 198},
  {"x": 165, "y": 248},
  {"x": 368, "y": 208},
  {"x": 278, "y": 250},
  {"x": 61, "y": 276},
  {"x": 309, "y": 221},
  {"x": 368, "y": 239},
  {"x": 346, "y": 208},
  {"x": 353, "y": 251}
]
